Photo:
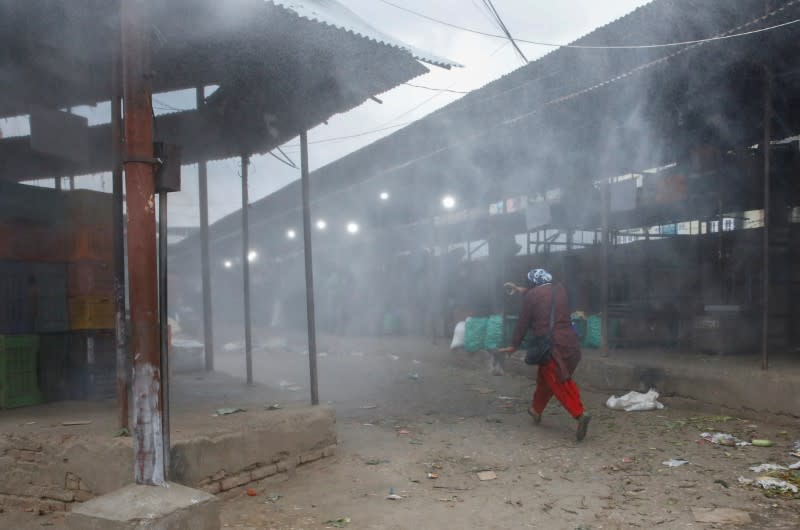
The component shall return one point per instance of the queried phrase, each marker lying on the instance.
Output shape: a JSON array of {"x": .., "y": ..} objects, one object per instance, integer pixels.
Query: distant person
[{"x": 555, "y": 375}]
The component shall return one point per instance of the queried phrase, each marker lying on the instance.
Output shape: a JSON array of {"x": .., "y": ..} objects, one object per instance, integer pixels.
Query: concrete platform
[
  {"x": 173, "y": 507},
  {"x": 48, "y": 466},
  {"x": 711, "y": 382}
]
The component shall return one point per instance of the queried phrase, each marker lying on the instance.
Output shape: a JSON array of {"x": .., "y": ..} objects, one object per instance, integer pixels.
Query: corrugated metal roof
[{"x": 335, "y": 14}]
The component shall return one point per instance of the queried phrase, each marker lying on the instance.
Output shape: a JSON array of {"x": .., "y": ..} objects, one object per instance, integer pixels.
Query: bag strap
[{"x": 552, "y": 309}]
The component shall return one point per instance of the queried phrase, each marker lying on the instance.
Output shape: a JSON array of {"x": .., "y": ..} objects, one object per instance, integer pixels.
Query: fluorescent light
[
  {"x": 291, "y": 234},
  {"x": 352, "y": 228},
  {"x": 384, "y": 196},
  {"x": 252, "y": 256},
  {"x": 321, "y": 224},
  {"x": 449, "y": 202},
  {"x": 228, "y": 264}
]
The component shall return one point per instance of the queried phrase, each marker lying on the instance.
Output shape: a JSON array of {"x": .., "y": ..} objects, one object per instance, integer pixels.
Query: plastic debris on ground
[
  {"x": 226, "y": 411},
  {"x": 274, "y": 406},
  {"x": 251, "y": 492},
  {"x": 675, "y": 462},
  {"x": 458, "y": 336},
  {"x": 486, "y": 475},
  {"x": 763, "y": 443},
  {"x": 771, "y": 484},
  {"x": 341, "y": 522},
  {"x": 414, "y": 376},
  {"x": 721, "y": 515},
  {"x": 723, "y": 438},
  {"x": 274, "y": 498},
  {"x": 635, "y": 401},
  {"x": 796, "y": 465},
  {"x": 763, "y": 468}
]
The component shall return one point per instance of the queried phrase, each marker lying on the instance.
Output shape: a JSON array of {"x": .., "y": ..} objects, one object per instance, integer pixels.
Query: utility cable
[
  {"x": 490, "y": 6},
  {"x": 437, "y": 89},
  {"x": 589, "y": 47}
]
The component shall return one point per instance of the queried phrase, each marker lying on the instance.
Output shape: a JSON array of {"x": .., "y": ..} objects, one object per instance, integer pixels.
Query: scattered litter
[
  {"x": 294, "y": 388},
  {"x": 403, "y": 432},
  {"x": 764, "y": 468},
  {"x": 796, "y": 446},
  {"x": 123, "y": 432},
  {"x": 721, "y": 515},
  {"x": 75, "y": 423},
  {"x": 483, "y": 390},
  {"x": 723, "y": 438},
  {"x": 675, "y": 462},
  {"x": 635, "y": 401},
  {"x": 393, "y": 497},
  {"x": 274, "y": 406},
  {"x": 763, "y": 443},
  {"x": 376, "y": 462},
  {"x": 776, "y": 484},
  {"x": 507, "y": 398},
  {"x": 433, "y": 476},
  {"x": 414, "y": 376},
  {"x": 341, "y": 522},
  {"x": 722, "y": 483},
  {"x": 394, "y": 357},
  {"x": 30, "y": 423},
  {"x": 368, "y": 407},
  {"x": 284, "y": 383},
  {"x": 251, "y": 492},
  {"x": 226, "y": 411},
  {"x": 486, "y": 475},
  {"x": 274, "y": 498},
  {"x": 796, "y": 465}
]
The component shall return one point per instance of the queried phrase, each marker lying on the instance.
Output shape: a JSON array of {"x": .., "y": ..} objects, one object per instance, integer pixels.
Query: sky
[{"x": 484, "y": 58}]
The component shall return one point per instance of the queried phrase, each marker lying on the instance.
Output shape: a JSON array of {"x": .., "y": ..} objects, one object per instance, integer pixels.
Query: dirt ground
[{"x": 406, "y": 410}]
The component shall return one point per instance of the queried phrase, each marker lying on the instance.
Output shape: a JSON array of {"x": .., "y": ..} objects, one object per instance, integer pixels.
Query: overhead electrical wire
[
  {"x": 590, "y": 47},
  {"x": 434, "y": 89},
  {"x": 496, "y": 15}
]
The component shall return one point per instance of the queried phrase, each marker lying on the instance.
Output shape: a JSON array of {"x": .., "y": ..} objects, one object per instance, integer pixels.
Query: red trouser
[{"x": 548, "y": 385}]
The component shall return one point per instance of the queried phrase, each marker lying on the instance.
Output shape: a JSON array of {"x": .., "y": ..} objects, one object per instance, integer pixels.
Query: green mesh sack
[
  {"x": 475, "y": 334},
  {"x": 594, "y": 332},
  {"x": 494, "y": 333}
]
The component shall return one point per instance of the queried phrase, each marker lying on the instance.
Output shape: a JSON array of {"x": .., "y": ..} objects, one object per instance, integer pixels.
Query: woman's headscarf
[{"x": 537, "y": 277}]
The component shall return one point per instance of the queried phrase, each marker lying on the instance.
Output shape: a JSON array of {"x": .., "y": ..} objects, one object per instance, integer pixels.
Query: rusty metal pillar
[
  {"x": 120, "y": 322},
  {"x": 148, "y": 428},
  {"x": 205, "y": 262},
  {"x": 309, "y": 263},
  {"x": 248, "y": 332},
  {"x": 767, "y": 213}
]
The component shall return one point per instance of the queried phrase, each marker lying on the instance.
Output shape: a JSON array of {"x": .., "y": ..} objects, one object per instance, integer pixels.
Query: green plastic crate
[{"x": 18, "y": 371}]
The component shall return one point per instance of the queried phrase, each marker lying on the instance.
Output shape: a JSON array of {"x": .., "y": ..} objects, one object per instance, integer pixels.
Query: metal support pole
[
  {"x": 605, "y": 190},
  {"x": 205, "y": 262},
  {"x": 148, "y": 427},
  {"x": 248, "y": 339},
  {"x": 163, "y": 305},
  {"x": 312, "y": 331},
  {"x": 767, "y": 212},
  {"x": 120, "y": 322}
]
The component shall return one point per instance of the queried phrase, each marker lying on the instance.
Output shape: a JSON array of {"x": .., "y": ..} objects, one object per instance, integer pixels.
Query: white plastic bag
[
  {"x": 635, "y": 401},
  {"x": 458, "y": 336}
]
